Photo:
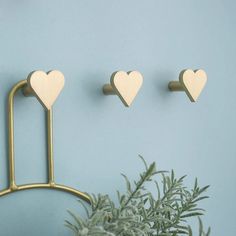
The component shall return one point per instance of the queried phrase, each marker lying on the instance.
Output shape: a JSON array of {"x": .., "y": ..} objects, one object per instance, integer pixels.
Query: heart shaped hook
[
  {"x": 45, "y": 86},
  {"x": 192, "y": 82},
  {"x": 125, "y": 85}
]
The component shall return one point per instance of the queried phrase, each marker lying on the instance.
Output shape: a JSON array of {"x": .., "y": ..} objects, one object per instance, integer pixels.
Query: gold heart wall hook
[
  {"x": 192, "y": 82},
  {"x": 45, "y": 86},
  {"x": 125, "y": 85}
]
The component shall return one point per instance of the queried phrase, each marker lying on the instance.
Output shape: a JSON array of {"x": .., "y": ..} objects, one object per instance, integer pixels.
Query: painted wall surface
[{"x": 96, "y": 137}]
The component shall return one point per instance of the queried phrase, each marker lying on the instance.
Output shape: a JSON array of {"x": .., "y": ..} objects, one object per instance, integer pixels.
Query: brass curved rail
[{"x": 51, "y": 182}]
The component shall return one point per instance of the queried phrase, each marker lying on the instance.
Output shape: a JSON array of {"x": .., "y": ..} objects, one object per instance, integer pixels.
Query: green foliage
[{"x": 141, "y": 213}]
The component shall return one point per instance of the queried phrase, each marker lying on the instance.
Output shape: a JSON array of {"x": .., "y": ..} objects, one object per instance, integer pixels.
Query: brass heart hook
[
  {"x": 125, "y": 85},
  {"x": 45, "y": 86},
  {"x": 192, "y": 82}
]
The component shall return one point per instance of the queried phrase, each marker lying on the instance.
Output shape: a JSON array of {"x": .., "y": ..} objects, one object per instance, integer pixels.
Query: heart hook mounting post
[
  {"x": 191, "y": 82},
  {"x": 108, "y": 90},
  {"x": 27, "y": 91},
  {"x": 175, "y": 86}
]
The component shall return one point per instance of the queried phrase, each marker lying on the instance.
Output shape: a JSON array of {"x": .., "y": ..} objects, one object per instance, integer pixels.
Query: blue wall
[{"x": 95, "y": 136}]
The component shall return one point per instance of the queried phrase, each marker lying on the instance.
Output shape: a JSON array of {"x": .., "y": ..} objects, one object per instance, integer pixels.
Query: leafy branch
[{"x": 140, "y": 213}]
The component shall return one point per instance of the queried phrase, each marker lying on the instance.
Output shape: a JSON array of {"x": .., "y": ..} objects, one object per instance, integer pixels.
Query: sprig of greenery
[{"x": 139, "y": 212}]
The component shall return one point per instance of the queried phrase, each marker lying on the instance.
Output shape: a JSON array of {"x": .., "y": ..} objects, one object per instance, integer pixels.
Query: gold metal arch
[{"x": 13, "y": 187}]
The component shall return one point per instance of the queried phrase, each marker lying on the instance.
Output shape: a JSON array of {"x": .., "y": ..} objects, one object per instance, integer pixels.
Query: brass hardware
[
  {"x": 192, "y": 82},
  {"x": 46, "y": 87},
  {"x": 175, "y": 86},
  {"x": 27, "y": 91},
  {"x": 13, "y": 187},
  {"x": 108, "y": 90},
  {"x": 125, "y": 85}
]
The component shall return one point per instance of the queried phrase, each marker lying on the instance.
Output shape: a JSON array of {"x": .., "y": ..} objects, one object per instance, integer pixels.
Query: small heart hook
[
  {"x": 192, "y": 82},
  {"x": 125, "y": 85},
  {"x": 45, "y": 86}
]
